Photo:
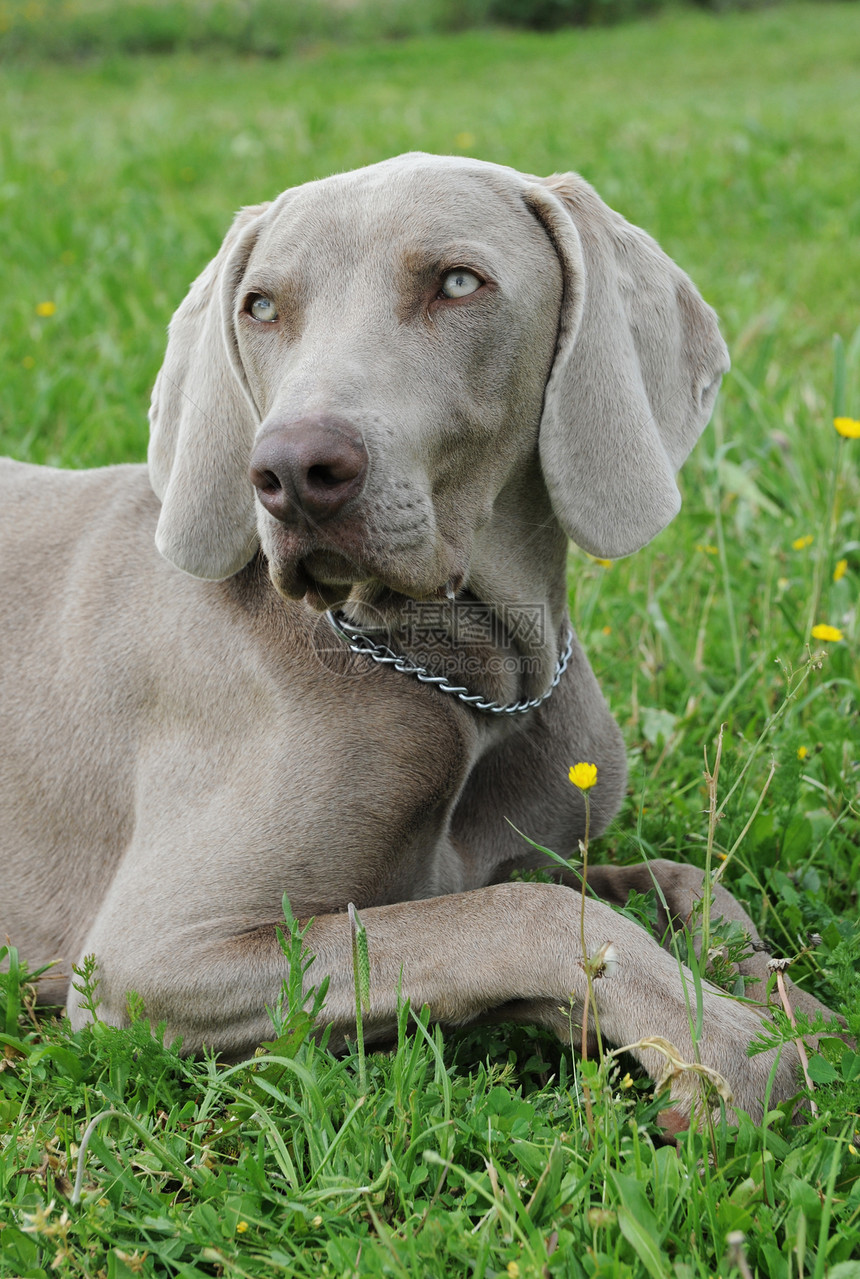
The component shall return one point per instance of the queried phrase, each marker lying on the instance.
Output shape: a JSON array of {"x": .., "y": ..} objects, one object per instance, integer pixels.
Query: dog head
[{"x": 373, "y": 363}]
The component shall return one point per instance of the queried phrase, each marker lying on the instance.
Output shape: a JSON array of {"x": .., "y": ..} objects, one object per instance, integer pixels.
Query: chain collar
[{"x": 358, "y": 642}]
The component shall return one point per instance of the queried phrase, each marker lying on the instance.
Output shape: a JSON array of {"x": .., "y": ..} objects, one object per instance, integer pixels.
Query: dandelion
[
  {"x": 830, "y": 634},
  {"x": 802, "y": 752},
  {"x": 800, "y": 543},
  {"x": 46, "y": 308},
  {"x": 603, "y": 563},
  {"x": 840, "y": 570},
  {"x": 707, "y": 549},
  {"x": 583, "y": 776},
  {"x": 848, "y": 427},
  {"x": 241, "y": 1227},
  {"x": 513, "y": 1270}
]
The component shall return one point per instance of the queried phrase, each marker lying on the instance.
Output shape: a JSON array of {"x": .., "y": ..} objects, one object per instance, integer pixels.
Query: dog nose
[{"x": 309, "y": 468}]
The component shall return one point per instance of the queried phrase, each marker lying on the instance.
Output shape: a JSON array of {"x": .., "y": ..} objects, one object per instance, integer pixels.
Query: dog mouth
[
  {"x": 328, "y": 580},
  {"x": 322, "y": 578},
  {"x": 328, "y": 577}
]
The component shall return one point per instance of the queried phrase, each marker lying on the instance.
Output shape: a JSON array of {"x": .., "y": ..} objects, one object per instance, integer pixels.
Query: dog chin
[
  {"x": 367, "y": 601},
  {"x": 294, "y": 582}
]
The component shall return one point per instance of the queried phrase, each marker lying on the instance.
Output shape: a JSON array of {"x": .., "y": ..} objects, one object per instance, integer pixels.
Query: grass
[
  {"x": 736, "y": 142},
  {"x": 69, "y": 29}
]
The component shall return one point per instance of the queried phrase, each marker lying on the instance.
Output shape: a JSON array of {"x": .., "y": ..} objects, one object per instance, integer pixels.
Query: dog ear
[
  {"x": 637, "y": 368},
  {"x": 202, "y": 423}
]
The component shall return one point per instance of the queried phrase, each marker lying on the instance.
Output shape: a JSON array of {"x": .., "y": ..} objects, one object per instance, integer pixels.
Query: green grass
[{"x": 736, "y": 142}]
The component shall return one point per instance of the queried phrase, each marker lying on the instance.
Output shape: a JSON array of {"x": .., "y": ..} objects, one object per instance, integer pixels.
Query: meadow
[{"x": 735, "y": 141}]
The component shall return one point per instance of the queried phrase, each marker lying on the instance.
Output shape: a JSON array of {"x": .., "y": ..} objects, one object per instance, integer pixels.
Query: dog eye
[
  {"x": 261, "y": 308},
  {"x": 459, "y": 284}
]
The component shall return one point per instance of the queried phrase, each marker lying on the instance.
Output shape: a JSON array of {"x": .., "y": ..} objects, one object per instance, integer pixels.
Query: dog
[{"x": 320, "y": 646}]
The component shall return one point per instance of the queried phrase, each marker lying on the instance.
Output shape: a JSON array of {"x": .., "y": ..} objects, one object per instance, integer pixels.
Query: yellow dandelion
[
  {"x": 603, "y": 563},
  {"x": 513, "y": 1270},
  {"x": 583, "y": 776},
  {"x": 802, "y": 752},
  {"x": 707, "y": 549},
  {"x": 800, "y": 542},
  {"x": 840, "y": 570},
  {"x": 831, "y": 634},
  {"x": 848, "y": 427},
  {"x": 606, "y": 630},
  {"x": 46, "y": 308},
  {"x": 241, "y": 1227}
]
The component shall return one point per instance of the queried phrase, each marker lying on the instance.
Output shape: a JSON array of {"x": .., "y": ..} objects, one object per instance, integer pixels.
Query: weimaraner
[{"x": 394, "y": 394}]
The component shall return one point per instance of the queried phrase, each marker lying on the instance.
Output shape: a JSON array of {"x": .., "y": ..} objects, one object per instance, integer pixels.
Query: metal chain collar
[{"x": 361, "y": 643}]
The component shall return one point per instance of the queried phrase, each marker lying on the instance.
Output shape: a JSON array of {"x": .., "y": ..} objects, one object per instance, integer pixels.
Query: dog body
[{"x": 399, "y": 392}]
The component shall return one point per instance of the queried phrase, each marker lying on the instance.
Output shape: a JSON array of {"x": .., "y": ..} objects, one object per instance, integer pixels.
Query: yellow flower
[
  {"x": 707, "y": 549},
  {"x": 464, "y": 141},
  {"x": 800, "y": 542},
  {"x": 802, "y": 752},
  {"x": 46, "y": 308},
  {"x": 827, "y": 633},
  {"x": 241, "y": 1227},
  {"x": 627, "y": 1082},
  {"x": 513, "y": 1270},
  {"x": 584, "y": 776},
  {"x": 604, "y": 563},
  {"x": 840, "y": 570},
  {"x": 847, "y": 426}
]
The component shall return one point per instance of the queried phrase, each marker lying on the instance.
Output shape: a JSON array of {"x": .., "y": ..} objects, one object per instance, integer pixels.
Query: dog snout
[{"x": 308, "y": 469}]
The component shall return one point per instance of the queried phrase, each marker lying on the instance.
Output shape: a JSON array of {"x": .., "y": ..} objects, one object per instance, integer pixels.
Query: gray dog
[{"x": 385, "y": 407}]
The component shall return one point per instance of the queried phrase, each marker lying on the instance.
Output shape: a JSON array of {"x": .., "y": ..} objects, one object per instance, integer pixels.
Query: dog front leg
[
  {"x": 466, "y": 956},
  {"x": 679, "y": 889},
  {"x": 517, "y": 947}
]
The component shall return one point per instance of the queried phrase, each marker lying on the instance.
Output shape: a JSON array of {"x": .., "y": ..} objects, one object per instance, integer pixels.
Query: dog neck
[{"x": 501, "y": 636}]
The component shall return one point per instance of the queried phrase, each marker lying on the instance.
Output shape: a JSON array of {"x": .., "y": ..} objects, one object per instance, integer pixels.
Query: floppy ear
[
  {"x": 636, "y": 373},
  {"x": 202, "y": 423}
]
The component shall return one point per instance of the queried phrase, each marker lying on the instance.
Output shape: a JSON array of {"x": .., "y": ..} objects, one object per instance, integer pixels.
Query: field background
[{"x": 735, "y": 141}]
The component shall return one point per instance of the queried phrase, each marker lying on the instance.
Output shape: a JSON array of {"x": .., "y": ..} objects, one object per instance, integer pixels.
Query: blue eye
[
  {"x": 460, "y": 283},
  {"x": 263, "y": 309}
]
